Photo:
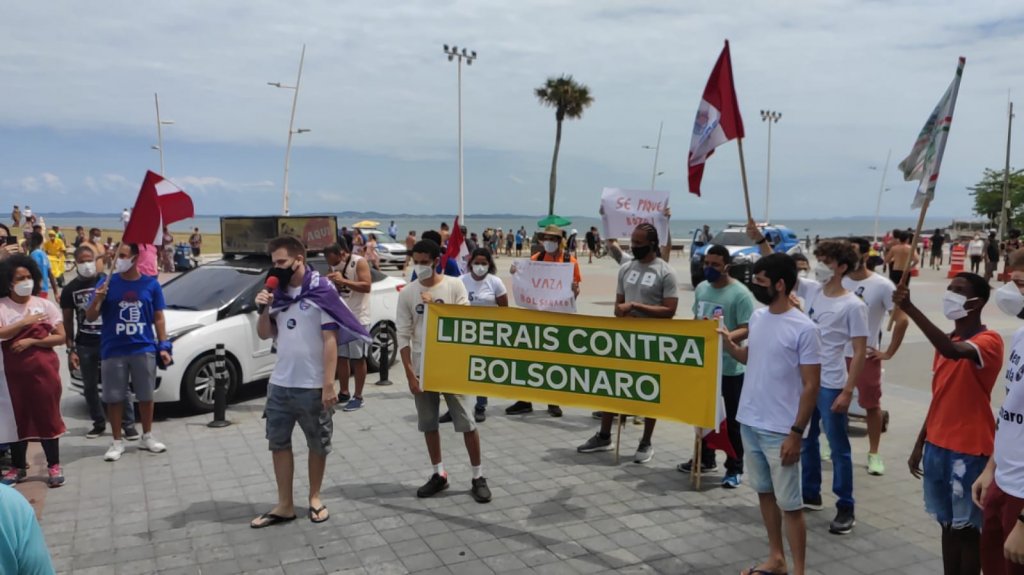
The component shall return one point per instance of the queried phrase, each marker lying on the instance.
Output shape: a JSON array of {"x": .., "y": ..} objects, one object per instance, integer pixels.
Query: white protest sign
[
  {"x": 623, "y": 210},
  {"x": 544, "y": 286}
]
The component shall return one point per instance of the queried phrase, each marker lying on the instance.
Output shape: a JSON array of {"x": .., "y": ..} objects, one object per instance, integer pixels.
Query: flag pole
[
  {"x": 743, "y": 174},
  {"x": 913, "y": 247}
]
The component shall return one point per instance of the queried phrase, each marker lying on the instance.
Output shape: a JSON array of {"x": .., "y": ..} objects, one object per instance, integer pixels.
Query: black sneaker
[
  {"x": 343, "y": 398},
  {"x": 479, "y": 416},
  {"x": 130, "y": 433},
  {"x": 446, "y": 418},
  {"x": 843, "y": 523},
  {"x": 481, "y": 493},
  {"x": 814, "y": 503},
  {"x": 595, "y": 444},
  {"x": 554, "y": 411},
  {"x": 435, "y": 485},
  {"x": 519, "y": 408},
  {"x": 96, "y": 431},
  {"x": 687, "y": 467},
  {"x": 597, "y": 414}
]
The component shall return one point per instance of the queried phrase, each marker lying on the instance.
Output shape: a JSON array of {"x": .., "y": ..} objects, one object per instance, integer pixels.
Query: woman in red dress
[{"x": 30, "y": 385}]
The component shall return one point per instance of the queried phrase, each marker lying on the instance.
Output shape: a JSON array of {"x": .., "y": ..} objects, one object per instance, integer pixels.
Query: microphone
[{"x": 270, "y": 285}]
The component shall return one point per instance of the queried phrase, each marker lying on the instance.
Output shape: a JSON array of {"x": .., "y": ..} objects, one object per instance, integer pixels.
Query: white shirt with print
[
  {"x": 1009, "y": 445},
  {"x": 300, "y": 344}
]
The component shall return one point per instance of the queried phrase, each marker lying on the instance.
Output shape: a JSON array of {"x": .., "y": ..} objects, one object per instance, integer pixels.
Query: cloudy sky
[{"x": 852, "y": 80}]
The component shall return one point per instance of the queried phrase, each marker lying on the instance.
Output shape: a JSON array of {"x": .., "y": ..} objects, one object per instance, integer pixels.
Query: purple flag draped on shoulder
[{"x": 319, "y": 290}]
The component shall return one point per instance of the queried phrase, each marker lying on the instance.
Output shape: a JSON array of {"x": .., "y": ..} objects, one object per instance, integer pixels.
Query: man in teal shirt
[
  {"x": 22, "y": 547},
  {"x": 722, "y": 297}
]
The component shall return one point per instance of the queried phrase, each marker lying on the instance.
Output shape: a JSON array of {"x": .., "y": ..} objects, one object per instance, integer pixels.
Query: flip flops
[
  {"x": 755, "y": 571},
  {"x": 270, "y": 519},
  {"x": 314, "y": 513}
]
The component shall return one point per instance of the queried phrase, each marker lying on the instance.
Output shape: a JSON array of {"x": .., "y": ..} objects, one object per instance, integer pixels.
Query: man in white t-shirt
[
  {"x": 999, "y": 491},
  {"x": 842, "y": 320},
  {"x": 430, "y": 288},
  {"x": 350, "y": 274},
  {"x": 126, "y": 216},
  {"x": 779, "y": 393},
  {"x": 875, "y": 290},
  {"x": 301, "y": 388}
]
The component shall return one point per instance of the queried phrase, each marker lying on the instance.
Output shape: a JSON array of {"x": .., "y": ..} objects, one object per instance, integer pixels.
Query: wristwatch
[
  {"x": 761, "y": 241},
  {"x": 797, "y": 430}
]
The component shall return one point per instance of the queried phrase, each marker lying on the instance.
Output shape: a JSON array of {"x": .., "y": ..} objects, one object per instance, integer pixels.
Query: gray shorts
[
  {"x": 118, "y": 372},
  {"x": 428, "y": 406},
  {"x": 287, "y": 406},
  {"x": 355, "y": 349}
]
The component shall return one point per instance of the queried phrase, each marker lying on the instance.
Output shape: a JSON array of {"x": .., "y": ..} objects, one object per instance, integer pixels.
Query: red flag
[
  {"x": 719, "y": 438},
  {"x": 718, "y": 118},
  {"x": 456, "y": 248},
  {"x": 160, "y": 203}
]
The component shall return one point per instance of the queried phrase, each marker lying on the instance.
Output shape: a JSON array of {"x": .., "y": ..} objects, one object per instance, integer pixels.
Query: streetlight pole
[
  {"x": 772, "y": 117},
  {"x": 467, "y": 55},
  {"x": 1003, "y": 225},
  {"x": 657, "y": 150},
  {"x": 881, "y": 189},
  {"x": 291, "y": 127},
  {"x": 160, "y": 132}
]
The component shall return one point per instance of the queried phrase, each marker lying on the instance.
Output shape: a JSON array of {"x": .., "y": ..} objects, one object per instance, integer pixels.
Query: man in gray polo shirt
[{"x": 646, "y": 288}]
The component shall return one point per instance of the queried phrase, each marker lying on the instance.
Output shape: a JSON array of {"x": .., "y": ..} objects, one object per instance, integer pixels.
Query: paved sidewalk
[{"x": 554, "y": 511}]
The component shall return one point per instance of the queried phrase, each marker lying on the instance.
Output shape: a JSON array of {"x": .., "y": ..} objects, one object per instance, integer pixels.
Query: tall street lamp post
[
  {"x": 291, "y": 127},
  {"x": 159, "y": 147},
  {"x": 657, "y": 149},
  {"x": 454, "y": 55},
  {"x": 772, "y": 117}
]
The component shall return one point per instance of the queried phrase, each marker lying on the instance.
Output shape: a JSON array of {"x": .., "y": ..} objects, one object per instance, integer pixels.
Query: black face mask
[
  {"x": 763, "y": 294},
  {"x": 283, "y": 275},
  {"x": 640, "y": 252}
]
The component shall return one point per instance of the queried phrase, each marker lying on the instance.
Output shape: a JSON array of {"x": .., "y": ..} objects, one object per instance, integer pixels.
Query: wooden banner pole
[
  {"x": 913, "y": 247},
  {"x": 743, "y": 174},
  {"x": 618, "y": 436},
  {"x": 695, "y": 464}
]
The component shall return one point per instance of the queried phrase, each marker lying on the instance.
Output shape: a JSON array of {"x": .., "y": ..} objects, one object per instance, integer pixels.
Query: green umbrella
[{"x": 555, "y": 220}]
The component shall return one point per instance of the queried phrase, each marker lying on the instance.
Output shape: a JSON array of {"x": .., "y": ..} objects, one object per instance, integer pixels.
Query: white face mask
[
  {"x": 24, "y": 288},
  {"x": 123, "y": 265},
  {"x": 87, "y": 269},
  {"x": 423, "y": 272},
  {"x": 953, "y": 305},
  {"x": 550, "y": 246},
  {"x": 480, "y": 270},
  {"x": 823, "y": 273},
  {"x": 96, "y": 239},
  {"x": 803, "y": 274},
  {"x": 1010, "y": 300}
]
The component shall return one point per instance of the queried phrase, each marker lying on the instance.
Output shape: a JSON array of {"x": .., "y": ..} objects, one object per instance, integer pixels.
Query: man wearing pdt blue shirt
[{"x": 133, "y": 335}]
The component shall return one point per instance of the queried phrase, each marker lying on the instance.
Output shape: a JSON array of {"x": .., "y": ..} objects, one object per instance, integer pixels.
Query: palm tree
[{"x": 569, "y": 99}]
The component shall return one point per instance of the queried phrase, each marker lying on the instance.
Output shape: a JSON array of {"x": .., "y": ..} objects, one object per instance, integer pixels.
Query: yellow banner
[{"x": 666, "y": 369}]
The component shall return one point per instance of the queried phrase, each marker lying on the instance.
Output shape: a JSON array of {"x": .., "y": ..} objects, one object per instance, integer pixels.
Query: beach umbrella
[
  {"x": 366, "y": 224},
  {"x": 553, "y": 220}
]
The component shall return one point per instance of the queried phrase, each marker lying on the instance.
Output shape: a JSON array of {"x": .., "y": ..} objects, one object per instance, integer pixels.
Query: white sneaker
[
  {"x": 149, "y": 443},
  {"x": 114, "y": 452}
]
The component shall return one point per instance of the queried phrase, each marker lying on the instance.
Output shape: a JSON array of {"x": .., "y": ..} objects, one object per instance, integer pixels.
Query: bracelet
[
  {"x": 761, "y": 241},
  {"x": 797, "y": 430}
]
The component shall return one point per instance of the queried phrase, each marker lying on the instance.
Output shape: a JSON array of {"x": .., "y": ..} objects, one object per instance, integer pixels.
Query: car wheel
[
  {"x": 197, "y": 386},
  {"x": 378, "y": 334}
]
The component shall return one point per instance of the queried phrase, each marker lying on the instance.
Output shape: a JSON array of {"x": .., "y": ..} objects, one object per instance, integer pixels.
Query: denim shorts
[
  {"x": 765, "y": 472},
  {"x": 948, "y": 479},
  {"x": 287, "y": 406}
]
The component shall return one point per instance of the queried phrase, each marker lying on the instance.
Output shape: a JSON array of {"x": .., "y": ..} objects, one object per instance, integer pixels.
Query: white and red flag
[
  {"x": 160, "y": 203},
  {"x": 718, "y": 118},
  {"x": 457, "y": 248}
]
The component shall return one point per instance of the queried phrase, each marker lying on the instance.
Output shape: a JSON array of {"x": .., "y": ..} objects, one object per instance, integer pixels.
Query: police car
[{"x": 742, "y": 249}]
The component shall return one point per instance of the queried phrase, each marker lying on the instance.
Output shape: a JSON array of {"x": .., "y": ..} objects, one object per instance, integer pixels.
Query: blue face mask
[{"x": 711, "y": 274}]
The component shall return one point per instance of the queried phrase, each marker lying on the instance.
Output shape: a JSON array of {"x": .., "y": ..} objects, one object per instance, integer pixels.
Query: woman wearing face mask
[
  {"x": 30, "y": 327},
  {"x": 485, "y": 289}
]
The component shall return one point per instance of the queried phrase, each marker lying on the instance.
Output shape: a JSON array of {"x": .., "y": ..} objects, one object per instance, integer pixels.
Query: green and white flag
[{"x": 923, "y": 162}]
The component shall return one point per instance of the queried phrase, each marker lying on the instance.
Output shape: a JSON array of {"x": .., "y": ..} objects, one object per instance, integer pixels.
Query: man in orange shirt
[
  {"x": 957, "y": 437},
  {"x": 552, "y": 240}
]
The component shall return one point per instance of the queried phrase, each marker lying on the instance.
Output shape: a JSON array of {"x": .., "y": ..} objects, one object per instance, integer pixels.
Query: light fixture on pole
[
  {"x": 160, "y": 132},
  {"x": 772, "y": 117},
  {"x": 291, "y": 127},
  {"x": 455, "y": 55},
  {"x": 881, "y": 189},
  {"x": 657, "y": 150}
]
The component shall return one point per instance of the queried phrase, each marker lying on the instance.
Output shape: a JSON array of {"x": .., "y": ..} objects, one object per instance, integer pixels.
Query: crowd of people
[{"x": 792, "y": 367}]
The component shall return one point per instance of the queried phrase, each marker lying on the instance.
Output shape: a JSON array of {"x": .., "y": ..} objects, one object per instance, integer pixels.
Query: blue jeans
[{"x": 834, "y": 425}]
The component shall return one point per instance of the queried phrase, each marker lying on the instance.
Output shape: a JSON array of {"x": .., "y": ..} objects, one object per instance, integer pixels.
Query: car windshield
[
  {"x": 209, "y": 287},
  {"x": 732, "y": 238}
]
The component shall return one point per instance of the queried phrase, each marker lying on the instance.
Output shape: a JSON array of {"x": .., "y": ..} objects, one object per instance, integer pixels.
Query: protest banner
[
  {"x": 623, "y": 210},
  {"x": 544, "y": 286},
  {"x": 652, "y": 368}
]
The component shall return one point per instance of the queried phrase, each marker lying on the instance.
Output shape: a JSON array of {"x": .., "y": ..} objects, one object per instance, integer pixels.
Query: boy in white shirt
[{"x": 431, "y": 287}]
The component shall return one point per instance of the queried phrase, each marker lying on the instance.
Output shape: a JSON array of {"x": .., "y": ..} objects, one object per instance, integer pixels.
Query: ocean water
[{"x": 682, "y": 227}]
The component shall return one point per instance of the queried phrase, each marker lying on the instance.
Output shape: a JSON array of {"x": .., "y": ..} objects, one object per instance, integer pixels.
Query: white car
[
  {"x": 389, "y": 251},
  {"x": 214, "y": 303}
]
